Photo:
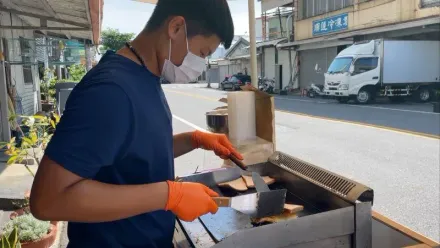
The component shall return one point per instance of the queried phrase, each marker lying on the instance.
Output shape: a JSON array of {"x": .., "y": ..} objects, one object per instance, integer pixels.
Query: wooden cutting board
[{"x": 250, "y": 183}]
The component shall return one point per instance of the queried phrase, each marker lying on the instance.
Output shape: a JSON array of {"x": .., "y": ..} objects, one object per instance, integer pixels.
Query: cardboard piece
[
  {"x": 258, "y": 150},
  {"x": 264, "y": 113}
]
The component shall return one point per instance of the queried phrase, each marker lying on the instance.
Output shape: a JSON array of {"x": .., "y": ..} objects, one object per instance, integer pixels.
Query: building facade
[
  {"x": 37, "y": 36},
  {"x": 276, "y": 27},
  {"x": 325, "y": 27},
  {"x": 235, "y": 60}
]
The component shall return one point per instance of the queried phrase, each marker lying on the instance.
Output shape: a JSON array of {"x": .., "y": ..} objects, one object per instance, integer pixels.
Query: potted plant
[
  {"x": 10, "y": 240},
  {"x": 31, "y": 233},
  {"x": 47, "y": 88},
  {"x": 36, "y": 132}
]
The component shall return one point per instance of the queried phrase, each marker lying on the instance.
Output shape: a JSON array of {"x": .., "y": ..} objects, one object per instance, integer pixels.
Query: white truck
[{"x": 391, "y": 68}]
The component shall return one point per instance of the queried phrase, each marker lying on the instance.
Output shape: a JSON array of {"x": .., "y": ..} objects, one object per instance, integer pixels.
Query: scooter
[
  {"x": 315, "y": 90},
  {"x": 266, "y": 85}
]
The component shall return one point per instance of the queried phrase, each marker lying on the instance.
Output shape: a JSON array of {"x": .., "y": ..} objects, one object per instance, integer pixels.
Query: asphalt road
[
  {"x": 401, "y": 167},
  {"x": 410, "y": 116}
]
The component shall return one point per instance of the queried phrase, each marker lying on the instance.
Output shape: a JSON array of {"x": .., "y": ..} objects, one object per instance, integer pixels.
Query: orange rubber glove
[
  {"x": 218, "y": 143},
  {"x": 188, "y": 201}
]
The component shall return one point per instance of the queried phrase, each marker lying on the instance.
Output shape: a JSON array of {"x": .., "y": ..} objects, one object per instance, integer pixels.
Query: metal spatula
[
  {"x": 250, "y": 204},
  {"x": 259, "y": 183}
]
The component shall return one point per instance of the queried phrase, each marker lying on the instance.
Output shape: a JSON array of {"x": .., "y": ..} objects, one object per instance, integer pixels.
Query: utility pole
[
  {"x": 207, "y": 74},
  {"x": 253, "y": 46},
  {"x": 281, "y": 23}
]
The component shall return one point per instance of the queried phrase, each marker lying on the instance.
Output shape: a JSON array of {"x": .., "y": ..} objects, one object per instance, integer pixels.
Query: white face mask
[{"x": 192, "y": 67}]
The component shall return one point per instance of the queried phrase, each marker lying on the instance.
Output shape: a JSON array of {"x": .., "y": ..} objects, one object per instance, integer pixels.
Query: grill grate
[{"x": 339, "y": 185}]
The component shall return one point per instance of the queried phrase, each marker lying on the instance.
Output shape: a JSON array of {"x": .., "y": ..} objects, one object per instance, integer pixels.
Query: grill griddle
[
  {"x": 337, "y": 211},
  {"x": 227, "y": 221}
]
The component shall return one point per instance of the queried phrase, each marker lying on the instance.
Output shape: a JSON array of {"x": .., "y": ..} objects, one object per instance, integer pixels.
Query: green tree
[{"x": 112, "y": 39}]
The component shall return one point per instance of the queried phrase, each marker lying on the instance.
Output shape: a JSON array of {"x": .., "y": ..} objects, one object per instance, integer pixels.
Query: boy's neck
[{"x": 147, "y": 46}]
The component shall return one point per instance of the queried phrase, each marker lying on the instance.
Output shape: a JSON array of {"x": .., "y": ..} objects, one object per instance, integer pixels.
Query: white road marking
[
  {"x": 402, "y": 110},
  {"x": 297, "y": 100},
  {"x": 190, "y": 124},
  {"x": 360, "y": 106},
  {"x": 418, "y": 134}
]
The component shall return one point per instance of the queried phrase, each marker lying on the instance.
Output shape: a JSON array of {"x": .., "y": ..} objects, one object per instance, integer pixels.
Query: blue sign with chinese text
[{"x": 330, "y": 24}]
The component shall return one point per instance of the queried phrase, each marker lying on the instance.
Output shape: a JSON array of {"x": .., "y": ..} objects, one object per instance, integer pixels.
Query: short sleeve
[{"x": 94, "y": 129}]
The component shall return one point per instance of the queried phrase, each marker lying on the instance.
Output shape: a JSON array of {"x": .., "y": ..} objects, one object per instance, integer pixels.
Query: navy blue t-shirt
[{"x": 117, "y": 129}]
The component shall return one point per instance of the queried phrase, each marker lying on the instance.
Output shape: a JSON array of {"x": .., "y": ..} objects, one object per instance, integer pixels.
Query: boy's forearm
[
  {"x": 182, "y": 144},
  {"x": 93, "y": 201}
]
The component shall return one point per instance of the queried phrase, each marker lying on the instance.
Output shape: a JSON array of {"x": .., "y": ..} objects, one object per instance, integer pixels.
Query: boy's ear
[{"x": 176, "y": 25}]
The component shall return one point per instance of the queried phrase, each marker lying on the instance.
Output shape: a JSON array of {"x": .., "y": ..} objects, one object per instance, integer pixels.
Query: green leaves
[
  {"x": 33, "y": 140},
  {"x": 12, "y": 159},
  {"x": 77, "y": 72},
  {"x": 114, "y": 40},
  {"x": 28, "y": 228},
  {"x": 10, "y": 240}
]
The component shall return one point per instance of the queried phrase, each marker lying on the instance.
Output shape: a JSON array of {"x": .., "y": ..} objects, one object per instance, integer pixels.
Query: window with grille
[
  {"x": 318, "y": 7},
  {"x": 430, "y": 3},
  {"x": 25, "y": 48},
  {"x": 273, "y": 33}
]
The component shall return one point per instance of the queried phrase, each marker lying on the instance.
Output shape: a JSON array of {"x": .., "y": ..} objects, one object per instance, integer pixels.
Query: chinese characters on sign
[{"x": 330, "y": 24}]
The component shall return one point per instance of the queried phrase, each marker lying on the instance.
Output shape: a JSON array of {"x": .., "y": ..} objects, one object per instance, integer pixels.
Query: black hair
[{"x": 203, "y": 17}]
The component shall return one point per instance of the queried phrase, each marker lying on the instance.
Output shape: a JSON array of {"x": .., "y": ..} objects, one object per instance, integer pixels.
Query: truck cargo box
[{"x": 407, "y": 62}]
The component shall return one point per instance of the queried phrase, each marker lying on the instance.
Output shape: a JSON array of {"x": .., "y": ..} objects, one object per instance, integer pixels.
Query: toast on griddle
[
  {"x": 238, "y": 185},
  {"x": 290, "y": 212},
  {"x": 250, "y": 183}
]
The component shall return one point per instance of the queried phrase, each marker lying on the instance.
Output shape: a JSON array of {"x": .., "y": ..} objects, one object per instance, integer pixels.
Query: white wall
[
  {"x": 283, "y": 59},
  {"x": 269, "y": 62},
  {"x": 271, "y": 4},
  {"x": 28, "y": 92},
  {"x": 240, "y": 50},
  {"x": 259, "y": 29}
]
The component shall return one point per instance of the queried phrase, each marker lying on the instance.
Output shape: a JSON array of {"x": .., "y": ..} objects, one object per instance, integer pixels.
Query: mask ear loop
[
  {"x": 169, "y": 51},
  {"x": 186, "y": 35}
]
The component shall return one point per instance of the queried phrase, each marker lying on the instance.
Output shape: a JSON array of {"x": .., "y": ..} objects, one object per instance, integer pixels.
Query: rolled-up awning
[{"x": 74, "y": 19}]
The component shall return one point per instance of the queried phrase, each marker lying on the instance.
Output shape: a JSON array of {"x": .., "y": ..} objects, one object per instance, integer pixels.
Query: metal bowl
[{"x": 217, "y": 121}]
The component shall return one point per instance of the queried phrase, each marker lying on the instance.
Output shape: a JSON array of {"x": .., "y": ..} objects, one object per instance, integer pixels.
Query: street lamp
[{"x": 252, "y": 38}]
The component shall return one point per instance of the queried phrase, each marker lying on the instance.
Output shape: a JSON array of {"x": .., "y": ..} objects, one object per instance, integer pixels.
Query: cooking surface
[{"x": 227, "y": 221}]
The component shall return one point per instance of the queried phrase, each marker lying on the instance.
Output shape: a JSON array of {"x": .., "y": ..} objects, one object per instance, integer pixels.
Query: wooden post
[
  {"x": 4, "y": 118},
  {"x": 253, "y": 46}
]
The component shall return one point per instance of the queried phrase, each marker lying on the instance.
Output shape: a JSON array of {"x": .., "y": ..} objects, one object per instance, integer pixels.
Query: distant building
[
  {"x": 32, "y": 39},
  {"x": 323, "y": 28}
]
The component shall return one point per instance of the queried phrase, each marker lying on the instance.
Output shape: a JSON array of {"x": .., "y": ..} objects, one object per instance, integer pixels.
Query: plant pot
[
  {"x": 21, "y": 211},
  {"x": 217, "y": 121},
  {"x": 47, "y": 107},
  {"x": 46, "y": 242}
]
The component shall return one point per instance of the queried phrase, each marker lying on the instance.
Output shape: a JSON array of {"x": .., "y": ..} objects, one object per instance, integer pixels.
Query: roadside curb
[{"x": 60, "y": 226}]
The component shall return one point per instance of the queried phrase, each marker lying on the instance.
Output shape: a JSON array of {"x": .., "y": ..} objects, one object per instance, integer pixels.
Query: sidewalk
[{"x": 14, "y": 181}]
